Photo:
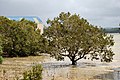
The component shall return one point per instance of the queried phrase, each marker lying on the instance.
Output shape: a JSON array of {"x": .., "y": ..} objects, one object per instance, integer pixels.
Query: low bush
[
  {"x": 1, "y": 59},
  {"x": 34, "y": 74}
]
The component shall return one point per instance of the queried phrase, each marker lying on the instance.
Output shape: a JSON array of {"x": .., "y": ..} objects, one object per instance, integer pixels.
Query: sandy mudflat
[{"x": 14, "y": 67}]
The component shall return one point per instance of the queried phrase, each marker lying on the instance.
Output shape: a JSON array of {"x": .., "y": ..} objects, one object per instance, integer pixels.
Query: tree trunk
[{"x": 73, "y": 61}]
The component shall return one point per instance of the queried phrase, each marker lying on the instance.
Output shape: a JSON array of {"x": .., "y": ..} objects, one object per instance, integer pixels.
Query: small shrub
[
  {"x": 1, "y": 59},
  {"x": 1, "y": 51},
  {"x": 34, "y": 74}
]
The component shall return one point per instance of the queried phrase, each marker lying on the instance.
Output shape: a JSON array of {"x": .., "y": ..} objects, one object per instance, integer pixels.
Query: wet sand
[
  {"x": 58, "y": 70},
  {"x": 85, "y": 70}
]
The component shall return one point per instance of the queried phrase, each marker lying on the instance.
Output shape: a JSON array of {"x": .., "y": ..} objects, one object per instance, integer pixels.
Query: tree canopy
[
  {"x": 20, "y": 38},
  {"x": 74, "y": 37}
]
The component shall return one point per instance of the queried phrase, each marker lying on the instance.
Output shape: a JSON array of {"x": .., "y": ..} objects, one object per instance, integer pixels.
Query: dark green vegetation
[
  {"x": 67, "y": 36},
  {"x": 19, "y": 38},
  {"x": 1, "y": 59},
  {"x": 34, "y": 74},
  {"x": 111, "y": 30},
  {"x": 73, "y": 37}
]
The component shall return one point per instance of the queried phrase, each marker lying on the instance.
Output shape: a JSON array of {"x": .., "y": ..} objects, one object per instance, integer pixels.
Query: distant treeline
[{"x": 111, "y": 30}]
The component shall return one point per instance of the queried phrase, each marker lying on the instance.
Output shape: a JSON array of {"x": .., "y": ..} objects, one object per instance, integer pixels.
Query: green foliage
[
  {"x": 71, "y": 36},
  {"x": 20, "y": 38},
  {"x": 1, "y": 59},
  {"x": 1, "y": 51},
  {"x": 34, "y": 74}
]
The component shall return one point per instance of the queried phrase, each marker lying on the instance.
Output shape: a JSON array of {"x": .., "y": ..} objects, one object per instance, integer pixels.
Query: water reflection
[
  {"x": 105, "y": 76},
  {"x": 82, "y": 71}
]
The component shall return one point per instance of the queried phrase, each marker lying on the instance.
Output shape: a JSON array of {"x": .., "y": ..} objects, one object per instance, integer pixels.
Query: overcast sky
[{"x": 104, "y": 13}]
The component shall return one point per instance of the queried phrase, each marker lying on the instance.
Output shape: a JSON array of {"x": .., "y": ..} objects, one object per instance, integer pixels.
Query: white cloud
[{"x": 105, "y": 13}]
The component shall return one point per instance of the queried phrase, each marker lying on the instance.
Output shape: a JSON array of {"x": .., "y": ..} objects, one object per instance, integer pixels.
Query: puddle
[
  {"x": 105, "y": 76},
  {"x": 82, "y": 71}
]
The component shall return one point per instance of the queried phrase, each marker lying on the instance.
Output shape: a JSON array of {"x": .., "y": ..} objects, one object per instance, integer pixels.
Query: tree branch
[{"x": 81, "y": 56}]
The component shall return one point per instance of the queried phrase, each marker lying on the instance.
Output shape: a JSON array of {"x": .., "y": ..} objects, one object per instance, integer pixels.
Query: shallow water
[{"x": 85, "y": 69}]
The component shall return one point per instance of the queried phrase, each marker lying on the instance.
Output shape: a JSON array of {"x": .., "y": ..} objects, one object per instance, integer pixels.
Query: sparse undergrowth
[
  {"x": 1, "y": 59},
  {"x": 13, "y": 68},
  {"x": 34, "y": 74}
]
